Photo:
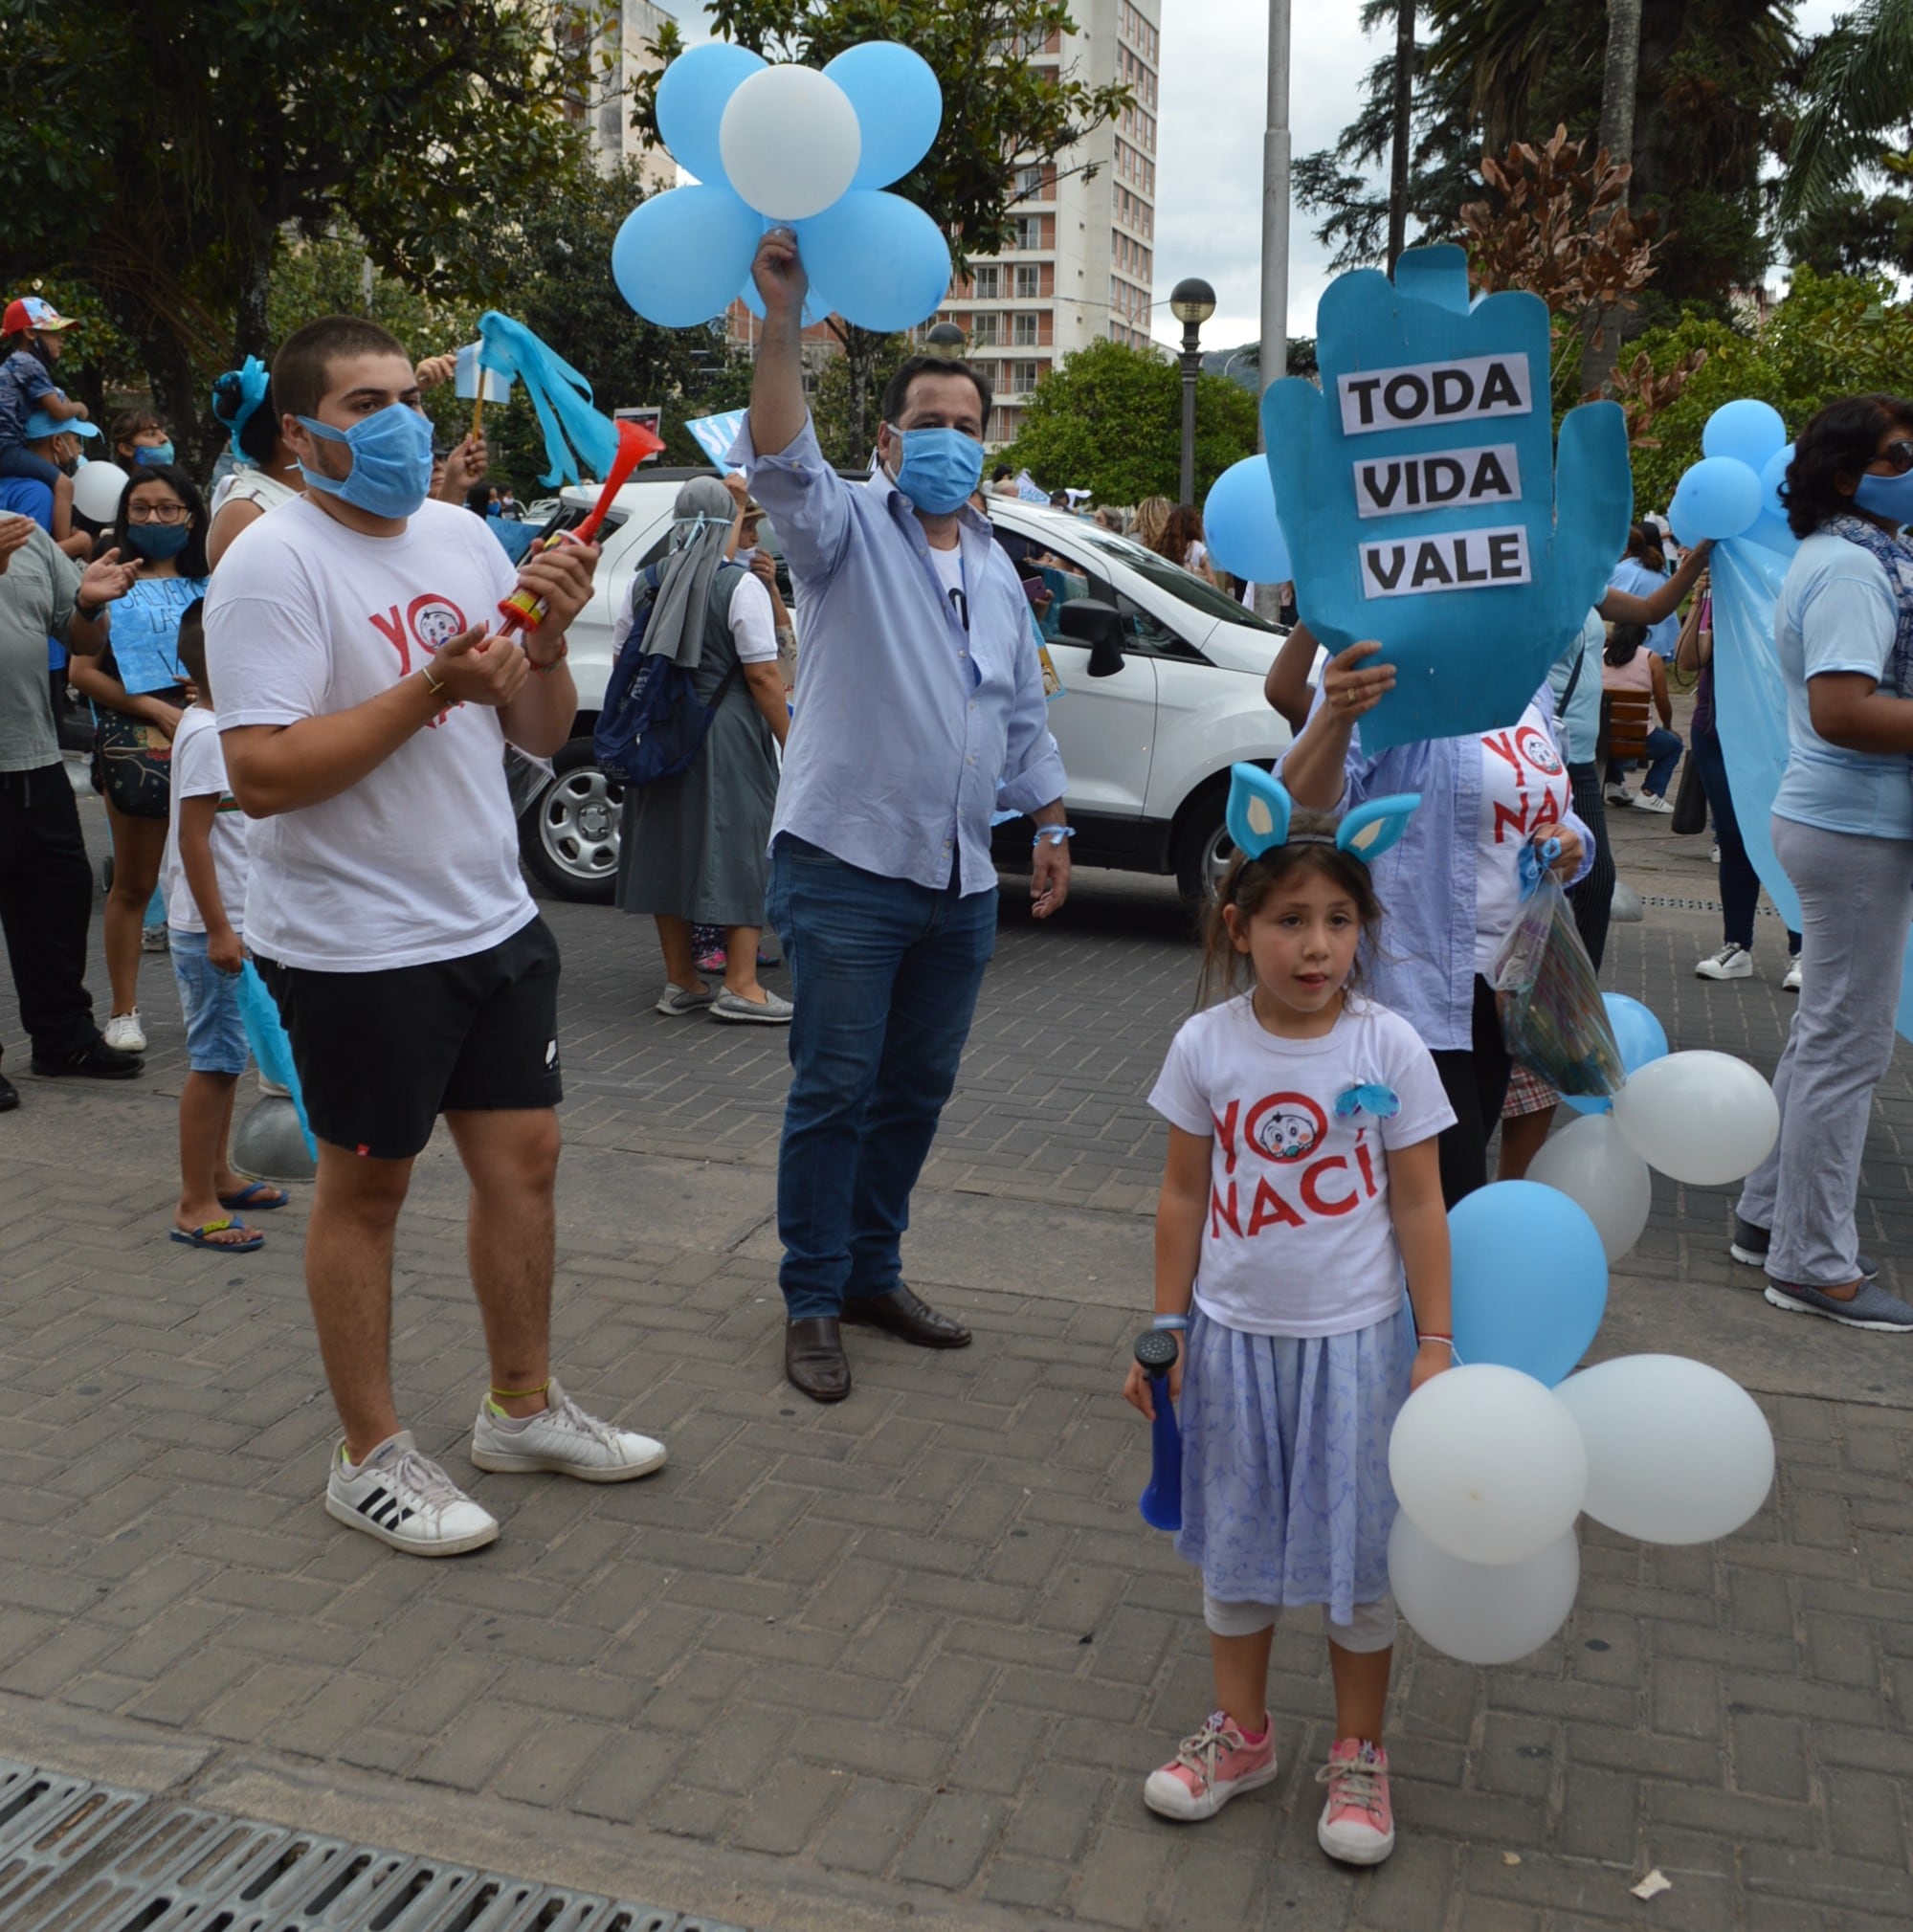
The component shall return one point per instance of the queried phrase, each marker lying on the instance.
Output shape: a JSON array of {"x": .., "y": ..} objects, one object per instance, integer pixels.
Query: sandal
[
  {"x": 202, "y": 1237},
  {"x": 248, "y": 1196}
]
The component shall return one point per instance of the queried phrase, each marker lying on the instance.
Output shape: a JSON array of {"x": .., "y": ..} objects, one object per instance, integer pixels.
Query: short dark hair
[
  {"x": 303, "y": 364},
  {"x": 191, "y": 649},
  {"x": 192, "y": 558},
  {"x": 896, "y": 390},
  {"x": 1841, "y": 440},
  {"x": 1001, "y": 470}
]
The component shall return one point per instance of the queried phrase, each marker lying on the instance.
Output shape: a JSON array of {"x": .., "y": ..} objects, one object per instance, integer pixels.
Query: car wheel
[
  {"x": 567, "y": 835},
  {"x": 1204, "y": 852}
]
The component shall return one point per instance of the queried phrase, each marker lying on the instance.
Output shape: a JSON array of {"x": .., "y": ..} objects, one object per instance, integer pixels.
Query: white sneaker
[
  {"x": 1731, "y": 963},
  {"x": 1791, "y": 982},
  {"x": 1651, "y": 801},
  {"x": 1714, "y": 856},
  {"x": 563, "y": 1439},
  {"x": 125, "y": 1031},
  {"x": 1619, "y": 794},
  {"x": 405, "y": 1500},
  {"x": 155, "y": 939}
]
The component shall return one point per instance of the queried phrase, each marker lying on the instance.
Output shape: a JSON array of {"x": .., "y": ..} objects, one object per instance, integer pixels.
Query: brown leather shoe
[
  {"x": 813, "y": 1358},
  {"x": 909, "y": 1316}
]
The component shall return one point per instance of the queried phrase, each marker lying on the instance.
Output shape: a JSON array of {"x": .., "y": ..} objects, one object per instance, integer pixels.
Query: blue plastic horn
[{"x": 1161, "y": 1504}]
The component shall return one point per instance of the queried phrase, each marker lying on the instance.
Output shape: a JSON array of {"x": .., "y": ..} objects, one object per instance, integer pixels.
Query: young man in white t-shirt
[{"x": 364, "y": 705}]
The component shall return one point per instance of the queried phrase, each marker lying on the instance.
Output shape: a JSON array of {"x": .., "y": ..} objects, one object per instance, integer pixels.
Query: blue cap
[{"x": 40, "y": 425}]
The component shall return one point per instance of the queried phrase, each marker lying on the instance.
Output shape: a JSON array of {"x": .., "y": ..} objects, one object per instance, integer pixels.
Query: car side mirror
[{"x": 1088, "y": 620}]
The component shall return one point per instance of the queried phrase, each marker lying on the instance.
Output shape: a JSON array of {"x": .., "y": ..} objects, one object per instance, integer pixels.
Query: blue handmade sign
[{"x": 1421, "y": 501}]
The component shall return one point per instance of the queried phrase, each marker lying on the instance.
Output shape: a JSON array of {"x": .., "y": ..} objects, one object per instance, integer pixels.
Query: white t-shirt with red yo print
[
  {"x": 1523, "y": 785},
  {"x": 1299, "y": 1240},
  {"x": 419, "y": 861}
]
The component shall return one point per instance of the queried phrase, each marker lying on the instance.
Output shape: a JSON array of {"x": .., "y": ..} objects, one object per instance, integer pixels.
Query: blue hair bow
[
  {"x": 248, "y": 384},
  {"x": 1259, "y": 809}
]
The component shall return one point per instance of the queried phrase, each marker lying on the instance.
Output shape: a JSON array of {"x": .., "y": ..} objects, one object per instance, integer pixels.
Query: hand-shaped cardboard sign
[{"x": 1421, "y": 501}]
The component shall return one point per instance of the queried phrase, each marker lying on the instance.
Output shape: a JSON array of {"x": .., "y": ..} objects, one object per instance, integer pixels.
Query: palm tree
[{"x": 1859, "y": 88}]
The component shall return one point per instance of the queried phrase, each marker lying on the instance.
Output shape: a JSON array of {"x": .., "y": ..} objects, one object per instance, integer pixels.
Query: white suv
[{"x": 1162, "y": 678}]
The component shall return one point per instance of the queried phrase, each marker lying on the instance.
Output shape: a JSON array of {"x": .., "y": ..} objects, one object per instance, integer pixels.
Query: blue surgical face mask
[
  {"x": 940, "y": 469},
  {"x": 391, "y": 461},
  {"x": 157, "y": 542},
  {"x": 153, "y": 459},
  {"x": 1889, "y": 497}
]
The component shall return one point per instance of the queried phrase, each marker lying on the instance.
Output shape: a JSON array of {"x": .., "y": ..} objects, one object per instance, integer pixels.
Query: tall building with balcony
[
  {"x": 625, "y": 33},
  {"x": 1082, "y": 263}
]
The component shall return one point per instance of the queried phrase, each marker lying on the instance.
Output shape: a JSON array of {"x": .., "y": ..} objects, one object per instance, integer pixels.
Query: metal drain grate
[
  {"x": 1763, "y": 911},
  {"x": 83, "y": 1857}
]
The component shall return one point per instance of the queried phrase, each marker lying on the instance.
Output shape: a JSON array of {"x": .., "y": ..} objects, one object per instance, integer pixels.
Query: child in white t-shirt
[
  {"x": 1302, "y": 1195},
  {"x": 206, "y": 896}
]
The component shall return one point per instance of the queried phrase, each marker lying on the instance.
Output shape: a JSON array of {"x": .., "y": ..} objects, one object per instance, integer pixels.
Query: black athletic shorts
[{"x": 382, "y": 1055}]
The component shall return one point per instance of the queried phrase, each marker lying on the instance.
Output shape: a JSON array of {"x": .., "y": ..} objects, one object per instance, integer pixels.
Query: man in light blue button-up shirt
[{"x": 920, "y": 712}]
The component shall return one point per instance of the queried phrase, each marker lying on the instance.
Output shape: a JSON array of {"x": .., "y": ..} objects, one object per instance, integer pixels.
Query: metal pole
[
  {"x": 1191, "y": 362},
  {"x": 1274, "y": 351}
]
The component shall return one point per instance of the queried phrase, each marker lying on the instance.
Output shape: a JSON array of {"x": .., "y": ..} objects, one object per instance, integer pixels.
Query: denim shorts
[{"x": 215, "y": 1037}]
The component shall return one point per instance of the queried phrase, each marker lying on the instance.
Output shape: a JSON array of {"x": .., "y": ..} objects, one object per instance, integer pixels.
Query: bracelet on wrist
[
  {"x": 1446, "y": 1341},
  {"x": 558, "y": 657},
  {"x": 1051, "y": 835},
  {"x": 1179, "y": 1323},
  {"x": 433, "y": 684}
]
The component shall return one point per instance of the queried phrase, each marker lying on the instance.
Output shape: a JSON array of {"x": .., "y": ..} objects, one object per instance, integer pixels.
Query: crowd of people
[{"x": 304, "y": 705}]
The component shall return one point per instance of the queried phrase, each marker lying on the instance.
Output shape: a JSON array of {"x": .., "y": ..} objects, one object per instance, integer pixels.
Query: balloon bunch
[
  {"x": 1734, "y": 490},
  {"x": 1493, "y": 1461},
  {"x": 791, "y": 146}
]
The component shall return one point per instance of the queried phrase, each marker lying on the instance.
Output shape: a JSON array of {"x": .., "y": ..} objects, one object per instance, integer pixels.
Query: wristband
[
  {"x": 1051, "y": 835},
  {"x": 558, "y": 657},
  {"x": 1431, "y": 1336},
  {"x": 1180, "y": 1322},
  {"x": 433, "y": 684},
  {"x": 92, "y": 616}
]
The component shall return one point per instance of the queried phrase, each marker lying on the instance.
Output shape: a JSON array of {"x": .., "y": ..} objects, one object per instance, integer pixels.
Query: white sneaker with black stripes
[{"x": 405, "y": 1500}]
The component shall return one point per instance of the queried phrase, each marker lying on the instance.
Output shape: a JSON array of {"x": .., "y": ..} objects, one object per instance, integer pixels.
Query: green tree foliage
[
  {"x": 221, "y": 122},
  {"x": 843, "y": 427},
  {"x": 1855, "y": 232},
  {"x": 1832, "y": 337},
  {"x": 1857, "y": 100},
  {"x": 1108, "y": 419},
  {"x": 1002, "y": 108}
]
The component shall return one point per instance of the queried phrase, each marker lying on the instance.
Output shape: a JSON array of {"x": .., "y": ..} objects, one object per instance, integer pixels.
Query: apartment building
[
  {"x": 1082, "y": 261},
  {"x": 626, "y": 32}
]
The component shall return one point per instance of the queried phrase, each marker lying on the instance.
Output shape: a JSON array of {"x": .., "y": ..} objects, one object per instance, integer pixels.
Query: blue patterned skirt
[{"x": 1285, "y": 1490}]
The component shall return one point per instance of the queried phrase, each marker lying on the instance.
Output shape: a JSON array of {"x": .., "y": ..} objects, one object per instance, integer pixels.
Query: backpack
[{"x": 650, "y": 726}]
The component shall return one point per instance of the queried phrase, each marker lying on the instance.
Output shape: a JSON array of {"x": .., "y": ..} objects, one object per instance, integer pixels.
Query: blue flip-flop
[
  {"x": 200, "y": 1237},
  {"x": 248, "y": 1196}
]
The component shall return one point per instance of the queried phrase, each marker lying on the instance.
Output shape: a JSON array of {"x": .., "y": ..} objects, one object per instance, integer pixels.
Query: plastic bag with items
[{"x": 1554, "y": 1020}]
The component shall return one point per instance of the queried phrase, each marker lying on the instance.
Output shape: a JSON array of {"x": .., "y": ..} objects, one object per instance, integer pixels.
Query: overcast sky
[{"x": 1209, "y": 177}]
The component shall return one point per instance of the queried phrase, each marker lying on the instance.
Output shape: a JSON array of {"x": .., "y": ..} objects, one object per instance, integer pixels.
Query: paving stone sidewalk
[{"x": 910, "y": 1658}]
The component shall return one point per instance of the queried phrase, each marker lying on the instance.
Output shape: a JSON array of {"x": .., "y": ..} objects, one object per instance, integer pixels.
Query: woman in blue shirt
[{"x": 1843, "y": 829}]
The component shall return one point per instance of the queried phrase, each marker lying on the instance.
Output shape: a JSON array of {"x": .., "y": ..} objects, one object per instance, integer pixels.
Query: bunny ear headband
[{"x": 1259, "y": 809}]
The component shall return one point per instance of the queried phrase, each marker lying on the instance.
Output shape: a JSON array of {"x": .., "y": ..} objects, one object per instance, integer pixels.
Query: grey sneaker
[
  {"x": 1872, "y": 1307},
  {"x": 676, "y": 1001},
  {"x": 734, "y": 1010},
  {"x": 1750, "y": 1244}
]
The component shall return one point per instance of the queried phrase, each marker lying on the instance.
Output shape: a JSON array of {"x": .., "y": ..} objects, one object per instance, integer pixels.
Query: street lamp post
[{"x": 1191, "y": 301}]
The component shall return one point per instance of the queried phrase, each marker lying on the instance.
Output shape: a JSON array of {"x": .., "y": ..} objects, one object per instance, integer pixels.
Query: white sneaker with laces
[
  {"x": 1619, "y": 794},
  {"x": 1791, "y": 982},
  {"x": 1731, "y": 963},
  {"x": 563, "y": 1439},
  {"x": 125, "y": 1031},
  {"x": 405, "y": 1500},
  {"x": 1652, "y": 800}
]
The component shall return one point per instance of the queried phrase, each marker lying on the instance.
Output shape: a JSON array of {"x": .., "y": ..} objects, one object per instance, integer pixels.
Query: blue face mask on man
[
  {"x": 391, "y": 461},
  {"x": 1888, "y": 496},
  {"x": 154, "y": 455},
  {"x": 940, "y": 470}
]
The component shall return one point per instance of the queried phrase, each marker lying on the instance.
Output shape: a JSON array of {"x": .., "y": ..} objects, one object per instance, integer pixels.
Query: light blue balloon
[
  {"x": 691, "y": 100},
  {"x": 816, "y": 305},
  {"x": 1530, "y": 1279},
  {"x": 883, "y": 261},
  {"x": 1640, "y": 1038},
  {"x": 1750, "y": 431},
  {"x": 1770, "y": 529},
  {"x": 899, "y": 106},
  {"x": 1773, "y": 473},
  {"x": 1239, "y": 524},
  {"x": 680, "y": 257},
  {"x": 1720, "y": 497}
]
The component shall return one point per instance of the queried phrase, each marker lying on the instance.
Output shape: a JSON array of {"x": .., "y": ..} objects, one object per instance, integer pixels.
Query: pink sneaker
[
  {"x": 1358, "y": 1822},
  {"x": 1209, "y": 1769}
]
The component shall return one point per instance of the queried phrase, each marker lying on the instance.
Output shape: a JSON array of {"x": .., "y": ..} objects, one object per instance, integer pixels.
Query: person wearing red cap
[{"x": 31, "y": 330}]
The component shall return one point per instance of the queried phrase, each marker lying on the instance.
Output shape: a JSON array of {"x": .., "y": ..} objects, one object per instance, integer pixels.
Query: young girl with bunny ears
[{"x": 1301, "y": 1194}]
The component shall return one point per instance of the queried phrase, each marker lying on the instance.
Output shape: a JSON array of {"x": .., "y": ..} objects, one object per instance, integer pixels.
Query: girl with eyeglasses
[
  {"x": 1843, "y": 829},
  {"x": 137, "y": 692}
]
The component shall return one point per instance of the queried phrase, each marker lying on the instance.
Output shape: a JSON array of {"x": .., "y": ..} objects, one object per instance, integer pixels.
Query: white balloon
[
  {"x": 1677, "y": 1451},
  {"x": 96, "y": 489},
  {"x": 1591, "y": 1164},
  {"x": 1702, "y": 1118},
  {"x": 1487, "y": 1464},
  {"x": 790, "y": 141},
  {"x": 1480, "y": 1612}
]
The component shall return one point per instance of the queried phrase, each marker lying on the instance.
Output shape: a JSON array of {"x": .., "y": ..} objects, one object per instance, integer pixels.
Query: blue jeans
[
  {"x": 1664, "y": 754},
  {"x": 884, "y": 974}
]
